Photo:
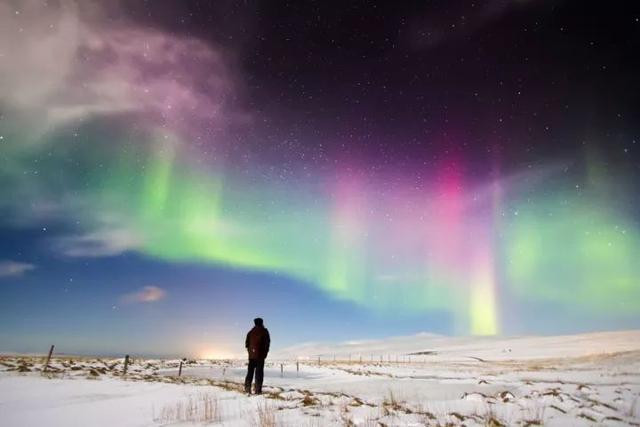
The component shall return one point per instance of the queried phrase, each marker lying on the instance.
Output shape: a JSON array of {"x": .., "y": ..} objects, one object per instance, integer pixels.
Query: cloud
[
  {"x": 74, "y": 63},
  {"x": 37, "y": 45},
  {"x": 145, "y": 295},
  {"x": 10, "y": 268},
  {"x": 99, "y": 243},
  {"x": 68, "y": 71}
]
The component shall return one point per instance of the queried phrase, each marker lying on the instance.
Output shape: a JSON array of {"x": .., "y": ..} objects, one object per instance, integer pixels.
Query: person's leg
[
  {"x": 247, "y": 381},
  {"x": 259, "y": 375}
]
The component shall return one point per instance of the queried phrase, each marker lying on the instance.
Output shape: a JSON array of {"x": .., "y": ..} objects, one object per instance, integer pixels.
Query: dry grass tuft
[
  {"x": 633, "y": 409},
  {"x": 309, "y": 400},
  {"x": 390, "y": 402},
  {"x": 201, "y": 408},
  {"x": 345, "y": 417},
  {"x": 93, "y": 373},
  {"x": 458, "y": 416},
  {"x": 266, "y": 416},
  {"x": 494, "y": 422},
  {"x": 356, "y": 401},
  {"x": 534, "y": 415},
  {"x": 586, "y": 417},
  {"x": 491, "y": 419}
]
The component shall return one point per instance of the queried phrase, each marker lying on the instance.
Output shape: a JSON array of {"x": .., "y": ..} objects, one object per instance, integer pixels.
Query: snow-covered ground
[{"x": 590, "y": 379}]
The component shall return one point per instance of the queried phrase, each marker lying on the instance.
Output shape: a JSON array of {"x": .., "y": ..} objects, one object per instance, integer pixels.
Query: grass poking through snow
[{"x": 203, "y": 408}]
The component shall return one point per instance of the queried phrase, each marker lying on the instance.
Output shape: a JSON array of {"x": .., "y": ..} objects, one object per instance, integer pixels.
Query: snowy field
[{"x": 588, "y": 380}]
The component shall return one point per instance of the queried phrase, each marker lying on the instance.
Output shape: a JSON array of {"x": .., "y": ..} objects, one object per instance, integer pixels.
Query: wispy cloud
[
  {"x": 76, "y": 70},
  {"x": 147, "y": 294},
  {"x": 99, "y": 243},
  {"x": 10, "y": 268}
]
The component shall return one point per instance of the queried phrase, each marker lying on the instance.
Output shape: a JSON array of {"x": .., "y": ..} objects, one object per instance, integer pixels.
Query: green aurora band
[{"x": 574, "y": 250}]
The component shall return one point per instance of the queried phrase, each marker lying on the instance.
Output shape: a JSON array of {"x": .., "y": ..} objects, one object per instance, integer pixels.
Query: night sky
[{"x": 171, "y": 169}]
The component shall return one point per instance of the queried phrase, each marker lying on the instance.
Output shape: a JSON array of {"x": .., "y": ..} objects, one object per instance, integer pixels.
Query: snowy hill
[{"x": 459, "y": 348}]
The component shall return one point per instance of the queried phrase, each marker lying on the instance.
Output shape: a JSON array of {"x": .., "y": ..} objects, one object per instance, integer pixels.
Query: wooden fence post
[
  {"x": 180, "y": 369},
  {"x": 46, "y": 365},
  {"x": 126, "y": 364},
  {"x": 318, "y": 360},
  {"x": 297, "y": 366},
  {"x": 281, "y": 370}
]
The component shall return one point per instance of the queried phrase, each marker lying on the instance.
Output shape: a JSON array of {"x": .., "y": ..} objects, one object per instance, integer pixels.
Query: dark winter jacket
[{"x": 257, "y": 342}]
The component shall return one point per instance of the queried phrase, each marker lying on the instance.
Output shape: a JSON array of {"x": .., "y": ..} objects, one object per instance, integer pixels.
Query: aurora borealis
[{"x": 424, "y": 174}]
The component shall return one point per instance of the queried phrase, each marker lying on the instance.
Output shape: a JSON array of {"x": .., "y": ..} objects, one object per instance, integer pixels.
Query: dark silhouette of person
[{"x": 257, "y": 344}]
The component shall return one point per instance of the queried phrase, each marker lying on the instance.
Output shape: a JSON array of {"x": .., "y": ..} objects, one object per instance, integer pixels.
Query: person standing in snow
[{"x": 257, "y": 344}]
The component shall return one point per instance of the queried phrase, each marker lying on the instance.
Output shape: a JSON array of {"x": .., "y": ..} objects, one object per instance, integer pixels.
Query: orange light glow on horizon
[{"x": 209, "y": 353}]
